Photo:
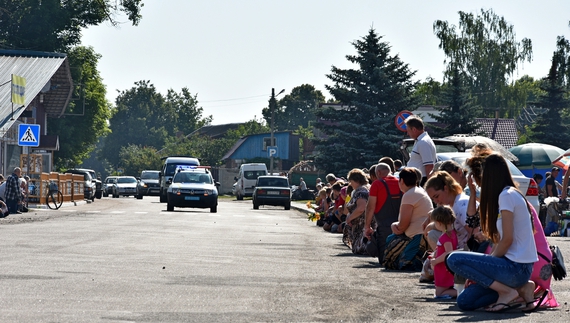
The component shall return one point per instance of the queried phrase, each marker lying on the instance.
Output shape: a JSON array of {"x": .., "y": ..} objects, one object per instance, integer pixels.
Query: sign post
[{"x": 400, "y": 119}]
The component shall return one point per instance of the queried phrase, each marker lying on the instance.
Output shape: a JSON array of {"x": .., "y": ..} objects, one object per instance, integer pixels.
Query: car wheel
[
  {"x": 98, "y": 195},
  {"x": 115, "y": 196},
  {"x": 288, "y": 206},
  {"x": 139, "y": 197},
  {"x": 214, "y": 209},
  {"x": 169, "y": 207},
  {"x": 105, "y": 194},
  {"x": 255, "y": 206},
  {"x": 162, "y": 198},
  {"x": 239, "y": 197}
]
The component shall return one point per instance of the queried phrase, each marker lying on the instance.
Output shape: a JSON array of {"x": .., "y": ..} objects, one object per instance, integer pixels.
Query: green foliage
[
  {"x": 485, "y": 48},
  {"x": 55, "y": 25},
  {"x": 209, "y": 151},
  {"x": 86, "y": 119},
  {"x": 459, "y": 112},
  {"x": 295, "y": 109},
  {"x": 550, "y": 127},
  {"x": 251, "y": 127},
  {"x": 144, "y": 117},
  {"x": 361, "y": 132},
  {"x": 134, "y": 159},
  {"x": 429, "y": 92}
]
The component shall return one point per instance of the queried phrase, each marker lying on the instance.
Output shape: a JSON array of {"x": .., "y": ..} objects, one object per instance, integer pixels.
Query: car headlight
[
  {"x": 208, "y": 192},
  {"x": 175, "y": 191}
]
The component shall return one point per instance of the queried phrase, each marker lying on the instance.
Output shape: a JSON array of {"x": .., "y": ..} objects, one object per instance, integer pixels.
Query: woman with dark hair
[
  {"x": 354, "y": 229},
  {"x": 504, "y": 275},
  {"x": 414, "y": 210}
]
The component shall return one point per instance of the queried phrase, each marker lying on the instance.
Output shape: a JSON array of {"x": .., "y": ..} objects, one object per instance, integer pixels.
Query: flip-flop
[
  {"x": 540, "y": 300},
  {"x": 506, "y": 307}
]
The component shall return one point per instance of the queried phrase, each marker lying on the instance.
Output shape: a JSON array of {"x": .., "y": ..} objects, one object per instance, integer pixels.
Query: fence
[{"x": 71, "y": 187}]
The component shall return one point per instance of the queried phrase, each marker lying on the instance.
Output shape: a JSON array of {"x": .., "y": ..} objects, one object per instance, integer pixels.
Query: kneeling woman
[{"x": 504, "y": 275}]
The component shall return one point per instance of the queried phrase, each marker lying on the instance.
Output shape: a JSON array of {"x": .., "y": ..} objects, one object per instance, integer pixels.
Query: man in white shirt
[{"x": 423, "y": 156}]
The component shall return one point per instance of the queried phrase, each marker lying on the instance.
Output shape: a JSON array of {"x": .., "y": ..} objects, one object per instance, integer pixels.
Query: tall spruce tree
[
  {"x": 362, "y": 130},
  {"x": 550, "y": 127},
  {"x": 458, "y": 114}
]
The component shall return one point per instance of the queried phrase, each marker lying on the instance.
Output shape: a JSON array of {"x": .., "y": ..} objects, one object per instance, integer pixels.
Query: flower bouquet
[{"x": 315, "y": 215}]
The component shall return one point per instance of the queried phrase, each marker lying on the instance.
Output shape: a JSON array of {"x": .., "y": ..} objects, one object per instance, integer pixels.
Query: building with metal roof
[{"x": 47, "y": 92}]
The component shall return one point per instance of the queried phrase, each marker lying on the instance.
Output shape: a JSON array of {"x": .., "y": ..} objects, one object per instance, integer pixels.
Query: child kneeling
[{"x": 443, "y": 217}]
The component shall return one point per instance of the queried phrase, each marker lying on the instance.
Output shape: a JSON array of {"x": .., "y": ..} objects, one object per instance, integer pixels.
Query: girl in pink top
[{"x": 443, "y": 218}]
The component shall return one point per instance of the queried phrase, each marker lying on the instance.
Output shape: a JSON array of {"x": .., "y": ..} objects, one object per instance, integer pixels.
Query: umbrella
[
  {"x": 471, "y": 141},
  {"x": 533, "y": 154},
  {"x": 563, "y": 160}
]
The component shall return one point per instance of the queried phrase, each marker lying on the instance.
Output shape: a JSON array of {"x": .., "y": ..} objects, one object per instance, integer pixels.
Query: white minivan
[{"x": 247, "y": 177}]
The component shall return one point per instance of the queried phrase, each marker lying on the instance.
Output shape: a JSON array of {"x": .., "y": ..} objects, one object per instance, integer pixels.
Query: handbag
[
  {"x": 394, "y": 249},
  {"x": 558, "y": 267}
]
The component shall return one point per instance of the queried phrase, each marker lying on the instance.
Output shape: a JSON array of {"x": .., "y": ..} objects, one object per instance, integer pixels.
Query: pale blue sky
[{"x": 231, "y": 53}]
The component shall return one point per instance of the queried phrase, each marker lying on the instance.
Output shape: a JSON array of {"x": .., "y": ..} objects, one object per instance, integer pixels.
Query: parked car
[
  {"x": 171, "y": 165},
  {"x": 89, "y": 186},
  {"x": 148, "y": 183},
  {"x": 193, "y": 188},
  {"x": 98, "y": 183},
  {"x": 247, "y": 178},
  {"x": 526, "y": 185},
  {"x": 272, "y": 190},
  {"x": 108, "y": 185},
  {"x": 125, "y": 186}
]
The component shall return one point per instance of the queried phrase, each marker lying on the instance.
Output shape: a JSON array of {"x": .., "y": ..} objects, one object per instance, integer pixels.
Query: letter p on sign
[{"x": 272, "y": 151}]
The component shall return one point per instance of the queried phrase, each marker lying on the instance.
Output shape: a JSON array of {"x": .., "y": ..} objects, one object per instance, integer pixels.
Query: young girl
[{"x": 443, "y": 219}]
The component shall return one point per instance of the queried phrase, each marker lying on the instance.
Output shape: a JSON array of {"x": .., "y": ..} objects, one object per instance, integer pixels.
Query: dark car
[
  {"x": 193, "y": 188},
  {"x": 108, "y": 185},
  {"x": 148, "y": 183},
  {"x": 89, "y": 186},
  {"x": 272, "y": 190}
]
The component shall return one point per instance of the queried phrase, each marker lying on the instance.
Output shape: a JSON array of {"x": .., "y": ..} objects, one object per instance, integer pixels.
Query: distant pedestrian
[
  {"x": 423, "y": 156},
  {"x": 13, "y": 193}
]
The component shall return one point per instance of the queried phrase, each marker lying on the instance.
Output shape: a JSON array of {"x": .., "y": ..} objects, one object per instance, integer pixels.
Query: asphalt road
[{"x": 128, "y": 260}]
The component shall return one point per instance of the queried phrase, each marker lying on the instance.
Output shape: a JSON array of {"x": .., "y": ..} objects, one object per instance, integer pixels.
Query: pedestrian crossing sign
[{"x": 29, "y": 135}]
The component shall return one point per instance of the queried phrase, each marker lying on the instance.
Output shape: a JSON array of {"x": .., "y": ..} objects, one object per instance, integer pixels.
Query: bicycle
[{"x": 54, "y": 198}]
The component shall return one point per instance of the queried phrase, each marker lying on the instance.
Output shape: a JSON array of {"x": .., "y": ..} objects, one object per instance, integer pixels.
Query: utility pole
[{"x": 273, "y": 106}]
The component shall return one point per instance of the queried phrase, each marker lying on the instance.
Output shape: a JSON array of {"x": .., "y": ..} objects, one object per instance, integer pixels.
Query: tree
[
  {"x": 85, "y": 120},
  {"x": 134, "y": 159},
  {"x": 295, "y": 109},
  {"x": 144, "y": 117},
  {"x": 55, "y": 25},
  {"x": 429, "y": 92},
  {"x": 486, "y": 50},
  {"x": 550, "y": 127},
  {"x": 459, "y": 113},
  {"x": 362, "y": 130}
]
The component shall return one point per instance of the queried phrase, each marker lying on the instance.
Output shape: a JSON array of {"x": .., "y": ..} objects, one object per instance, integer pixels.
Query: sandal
[{"x": 540, "y": 301}]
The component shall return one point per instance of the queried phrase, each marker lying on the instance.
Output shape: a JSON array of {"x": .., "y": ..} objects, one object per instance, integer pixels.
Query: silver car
[{"x": 125, "y": 186}]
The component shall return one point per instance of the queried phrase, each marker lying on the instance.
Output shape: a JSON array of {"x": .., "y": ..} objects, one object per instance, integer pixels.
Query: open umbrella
[
  {"x": 471, "y": 141},
  {"x": 534, "y": 154},
  {"x": 563, "y": 160}
]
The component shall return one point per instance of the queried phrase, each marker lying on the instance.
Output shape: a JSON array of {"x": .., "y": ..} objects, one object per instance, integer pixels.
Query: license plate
[
  {"x": 191, "y": 198},
  {"x": 272, "y": 192}
]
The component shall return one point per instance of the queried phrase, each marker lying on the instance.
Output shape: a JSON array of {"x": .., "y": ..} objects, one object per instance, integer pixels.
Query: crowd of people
[
  {"x": 13, "y": 193},
  {"x": 466, "y": 228}
]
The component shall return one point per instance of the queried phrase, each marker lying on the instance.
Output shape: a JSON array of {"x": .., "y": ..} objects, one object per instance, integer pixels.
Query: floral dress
[{"x": 353, "y": 235}]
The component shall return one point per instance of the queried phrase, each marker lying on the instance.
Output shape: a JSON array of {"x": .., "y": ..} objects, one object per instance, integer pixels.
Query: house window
[{"x": 267, "y": 142}]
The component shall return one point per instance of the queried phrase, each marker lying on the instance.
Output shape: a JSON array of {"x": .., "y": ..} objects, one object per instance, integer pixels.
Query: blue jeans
[
  {"x": 484, "y": 270},
  {"x": 12, "y": 206}
]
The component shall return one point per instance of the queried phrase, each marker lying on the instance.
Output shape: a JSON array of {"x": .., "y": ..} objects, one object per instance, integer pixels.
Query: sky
[{"x": 232, "y": 53}]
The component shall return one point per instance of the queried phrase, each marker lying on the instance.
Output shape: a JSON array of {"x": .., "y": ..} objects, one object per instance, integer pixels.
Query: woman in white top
[{"x": 504, "y": 275}]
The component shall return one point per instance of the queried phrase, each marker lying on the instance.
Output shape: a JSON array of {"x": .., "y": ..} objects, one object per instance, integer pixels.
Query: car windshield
[
  {"x": 149, "y": 175},
  {"x": 171, "y": 168},
  {"x": 254, "y": 174},
  {"x": 275, "y": 182},
  {"x": 184, "y": 177},
  {"x": 126, "y": 180},
  {"x": 110, "y": 180}
]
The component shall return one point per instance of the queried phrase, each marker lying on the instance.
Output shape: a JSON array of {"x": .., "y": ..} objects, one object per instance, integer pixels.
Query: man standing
[
  {"x": 384, "y": 204},
  {"x": 13, "y": 193},
  {"x": 423, "y": 155},
  {"x": 551, "y": 189}
]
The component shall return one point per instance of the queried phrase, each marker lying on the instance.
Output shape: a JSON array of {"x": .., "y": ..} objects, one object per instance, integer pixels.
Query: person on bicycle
[{"x": 13, "y": 194}]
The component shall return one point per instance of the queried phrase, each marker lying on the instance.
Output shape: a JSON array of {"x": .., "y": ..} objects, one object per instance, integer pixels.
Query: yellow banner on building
[{"x": 18, "y": 89}]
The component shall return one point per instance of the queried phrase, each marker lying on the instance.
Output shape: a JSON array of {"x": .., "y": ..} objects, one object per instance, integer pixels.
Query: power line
[{"x": 249, "y": 97}]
